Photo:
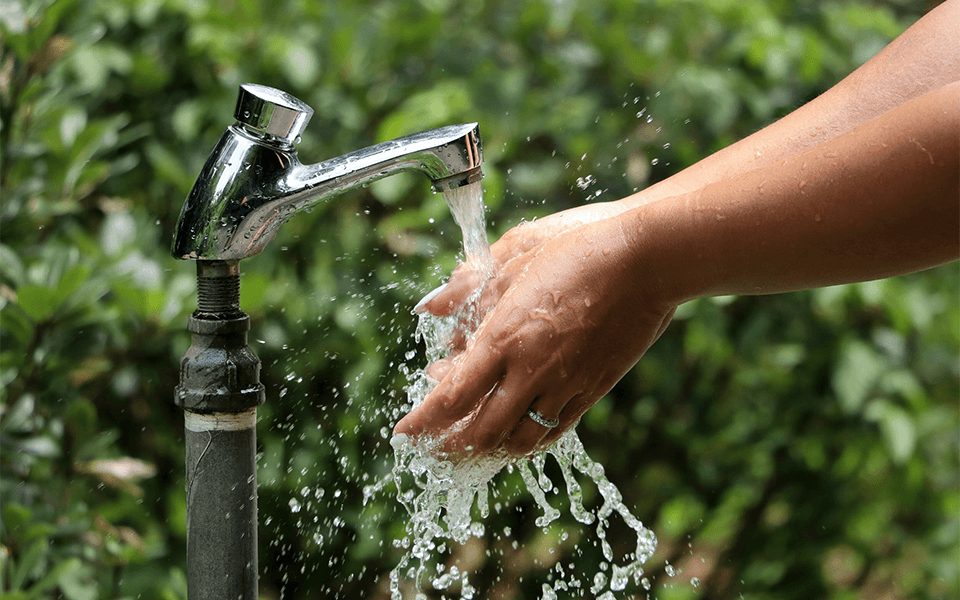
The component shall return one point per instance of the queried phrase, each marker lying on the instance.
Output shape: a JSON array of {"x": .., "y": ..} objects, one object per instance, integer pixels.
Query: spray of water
[{"x": 440, "y": 495}]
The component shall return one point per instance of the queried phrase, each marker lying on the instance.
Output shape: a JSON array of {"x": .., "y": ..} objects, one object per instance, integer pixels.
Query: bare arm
[{"x": 879, "y": 200}]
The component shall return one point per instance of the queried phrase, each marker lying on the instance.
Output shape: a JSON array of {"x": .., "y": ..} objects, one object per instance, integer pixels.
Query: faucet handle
[{"x": 272, "y": 113}]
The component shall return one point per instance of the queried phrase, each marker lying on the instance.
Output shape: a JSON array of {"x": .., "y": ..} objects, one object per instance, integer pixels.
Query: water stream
[{"x": 448, "y": 503}]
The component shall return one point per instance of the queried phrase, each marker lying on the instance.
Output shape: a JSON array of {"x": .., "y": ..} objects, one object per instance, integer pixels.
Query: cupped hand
[{"x": 567, "y": 326}]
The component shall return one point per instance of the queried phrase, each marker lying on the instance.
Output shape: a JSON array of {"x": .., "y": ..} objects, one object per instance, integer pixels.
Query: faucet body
[{"x": 253, "y": 182}]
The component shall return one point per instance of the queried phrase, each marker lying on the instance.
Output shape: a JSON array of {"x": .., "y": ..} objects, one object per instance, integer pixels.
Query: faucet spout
[{"x": 253, "y": 181}]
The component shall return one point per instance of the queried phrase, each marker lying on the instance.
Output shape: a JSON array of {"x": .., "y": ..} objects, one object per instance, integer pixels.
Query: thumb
[{"x": 450, "y": 297}]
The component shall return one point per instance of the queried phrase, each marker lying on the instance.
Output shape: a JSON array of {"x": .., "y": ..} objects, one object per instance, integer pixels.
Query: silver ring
[{"x": 539, "y": 419}]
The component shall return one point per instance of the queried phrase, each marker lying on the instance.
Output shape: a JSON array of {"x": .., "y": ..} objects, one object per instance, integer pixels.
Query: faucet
[{"x": 251, "y": 184}]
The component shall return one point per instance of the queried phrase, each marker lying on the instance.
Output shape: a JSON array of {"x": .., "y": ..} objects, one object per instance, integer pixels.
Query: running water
[
  {"x": 466, "y": 204},
  {"x": 440, "y": 495}
]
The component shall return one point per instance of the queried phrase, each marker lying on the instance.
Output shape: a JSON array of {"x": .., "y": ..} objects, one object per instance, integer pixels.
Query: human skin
[
  {"x": 878, "y": 200},
  {"x": 924, "y": 58}
]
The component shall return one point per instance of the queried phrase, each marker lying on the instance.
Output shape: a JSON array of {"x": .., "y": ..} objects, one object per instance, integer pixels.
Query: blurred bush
[{"x": 794, "y": 446}]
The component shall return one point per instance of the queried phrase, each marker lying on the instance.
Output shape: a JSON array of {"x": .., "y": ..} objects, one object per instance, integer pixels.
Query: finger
[
  {"x": 471, "y": 317},
  {"x": 437, "y": 371},
  {"x": 450, "y": 297},
  {"x": 462, "y": 390},
  {"x": 569, "y": 417},
  {"x": 499, "y": 417},
  {"x": 529, "y": 433}
]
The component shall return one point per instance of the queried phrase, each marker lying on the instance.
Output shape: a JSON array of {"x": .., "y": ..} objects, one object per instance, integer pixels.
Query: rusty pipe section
[{"x": 219, "y": 393}]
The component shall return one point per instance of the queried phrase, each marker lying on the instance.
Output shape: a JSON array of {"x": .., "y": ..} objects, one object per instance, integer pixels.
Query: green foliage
[{"x": 796, "y": 446}]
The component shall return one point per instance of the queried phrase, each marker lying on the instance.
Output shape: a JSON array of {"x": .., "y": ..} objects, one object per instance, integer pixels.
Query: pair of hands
[{"x": 568, "y": 313}]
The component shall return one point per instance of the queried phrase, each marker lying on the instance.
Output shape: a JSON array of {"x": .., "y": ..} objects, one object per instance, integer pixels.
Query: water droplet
[
  {"x": 655, "y": 161},
  {"x": 585, "y": 182},
  {"x": 695, "y": 582}
]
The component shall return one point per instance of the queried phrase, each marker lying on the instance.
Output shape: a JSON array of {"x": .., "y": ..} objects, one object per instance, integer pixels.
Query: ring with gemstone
[{"x": 539, "y": 419}]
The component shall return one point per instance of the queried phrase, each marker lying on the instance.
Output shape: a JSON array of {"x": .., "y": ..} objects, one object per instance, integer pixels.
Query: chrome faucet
[{"x": 253, "y": 182}]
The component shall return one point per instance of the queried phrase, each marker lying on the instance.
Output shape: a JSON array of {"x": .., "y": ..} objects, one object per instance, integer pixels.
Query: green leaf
[
  {"x": 97, "y": 445},
  {"x": 49, "y": 21},
  {"x": 301, "y": 64},
  {"x": 11, "y": 266},
  {"x": 30, "y": 563},
  {"x": 433, "y": 108},
  {"x": 94, "y": 64},
  {"x": 857, "y": 372},
  {"x": 40, "y": 446},
  {"x": 899, "y": 434},
  {"x": 89, "y": 142},
  {"x": 65, "y": 569},
  {"x": 14, "y": 515},
  {"x": 896, "y": 426},
  {"x": 18, "y": 418},
  {"x": 170, "y": 167},
  {"x": 905, "y": 384},
  {"x": 41, "y": 302},
  {"x": 38, "y": 302},
  {"x": 16, "y": 322},
  {"x": 71, "y": 281},
  {"x": 77, "y": 583}
]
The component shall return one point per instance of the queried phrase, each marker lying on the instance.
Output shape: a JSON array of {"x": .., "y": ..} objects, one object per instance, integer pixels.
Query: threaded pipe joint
[{"x": 218, "y": 289}]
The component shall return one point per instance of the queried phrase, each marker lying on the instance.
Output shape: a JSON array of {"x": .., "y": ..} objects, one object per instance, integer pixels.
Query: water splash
[{"x": 440, "y": 496}]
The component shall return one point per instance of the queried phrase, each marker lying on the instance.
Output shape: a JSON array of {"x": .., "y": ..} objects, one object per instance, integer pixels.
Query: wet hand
[
  {"x": 511, "y": 253},
  {"x": 566, "y": 327}
]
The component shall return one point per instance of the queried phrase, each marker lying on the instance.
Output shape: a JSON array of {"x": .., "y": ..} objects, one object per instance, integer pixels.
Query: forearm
[
  {"x": 924, "y": 58},
  {"x": 880, "y": 200}
]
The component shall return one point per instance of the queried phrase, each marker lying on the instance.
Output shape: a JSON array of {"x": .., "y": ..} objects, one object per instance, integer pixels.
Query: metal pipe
[
  {"x": 221, "y": 506},
  {"x": 219, "y": 391}
]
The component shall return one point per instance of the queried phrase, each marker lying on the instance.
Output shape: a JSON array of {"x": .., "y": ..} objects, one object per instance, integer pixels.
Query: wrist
[{"x": 662, "y": 260}]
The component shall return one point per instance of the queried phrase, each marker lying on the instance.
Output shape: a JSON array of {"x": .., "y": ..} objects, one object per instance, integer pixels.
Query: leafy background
[{"x": 793, "y": 446}]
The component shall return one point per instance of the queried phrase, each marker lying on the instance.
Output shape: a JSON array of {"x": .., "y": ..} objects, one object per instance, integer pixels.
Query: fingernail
[{"x": 419, "y": 307}]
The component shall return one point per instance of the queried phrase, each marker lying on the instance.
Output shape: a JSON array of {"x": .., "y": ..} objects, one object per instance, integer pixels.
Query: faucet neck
[{"x": 253, "y": 182}]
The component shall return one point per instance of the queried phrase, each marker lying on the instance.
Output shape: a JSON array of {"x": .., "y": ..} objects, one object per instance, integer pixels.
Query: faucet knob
[{"x": 272, "y": 113}]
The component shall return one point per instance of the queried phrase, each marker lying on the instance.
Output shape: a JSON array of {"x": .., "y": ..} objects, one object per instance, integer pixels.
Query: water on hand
[{"x": 440, "y": 495}]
